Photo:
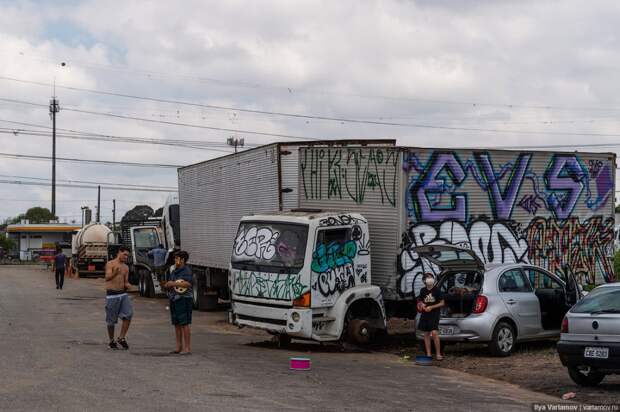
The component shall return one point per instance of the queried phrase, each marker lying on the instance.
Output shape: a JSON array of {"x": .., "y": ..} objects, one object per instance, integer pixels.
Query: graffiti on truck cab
[
  {"x": 268, "y": 285},
  {"x": 335, "y": 269},
  {"x": 545, "y": 209},
  {"x": 258, "y": 242},
  {"x": 349, "y": 173}
]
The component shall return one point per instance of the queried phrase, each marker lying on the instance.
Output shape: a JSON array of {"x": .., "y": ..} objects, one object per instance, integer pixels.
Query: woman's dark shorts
[
  {"x": 181, "y": 311},
  {"x": 429, "y": 321}
]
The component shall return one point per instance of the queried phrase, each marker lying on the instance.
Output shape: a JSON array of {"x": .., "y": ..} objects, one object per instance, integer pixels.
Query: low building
[{"x": 38, "y": 239}]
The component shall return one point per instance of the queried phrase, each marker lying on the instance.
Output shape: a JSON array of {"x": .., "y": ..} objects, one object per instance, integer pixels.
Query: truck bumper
[{"x": 291, "y": 321}]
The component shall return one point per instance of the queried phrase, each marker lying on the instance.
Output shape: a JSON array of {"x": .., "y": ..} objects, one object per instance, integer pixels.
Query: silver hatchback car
[
  {"x": 497, "y": 305},
  {"x": 590, "y": 342}
]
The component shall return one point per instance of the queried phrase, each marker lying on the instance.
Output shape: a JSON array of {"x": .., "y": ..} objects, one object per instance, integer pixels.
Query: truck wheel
[
  {"x": 149, "y": 288},
  {"x": 196, "y": 291},
  {"x": 284, "y": 341},
  {"x": 503, "y": 340},
  {"x": 141, "y": 285},
  {"x": 587, "y": 377},
  {"x": 359, "y": 332}
]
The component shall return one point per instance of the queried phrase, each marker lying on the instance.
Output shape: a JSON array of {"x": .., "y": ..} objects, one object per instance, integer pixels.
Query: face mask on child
[{"x": 429, "y": 282}]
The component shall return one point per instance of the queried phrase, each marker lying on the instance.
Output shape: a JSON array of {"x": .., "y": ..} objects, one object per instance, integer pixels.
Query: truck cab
[{"x": 305, "y": 274}]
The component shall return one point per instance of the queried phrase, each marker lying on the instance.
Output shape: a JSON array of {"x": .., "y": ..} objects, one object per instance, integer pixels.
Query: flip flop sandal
[
  {"x": 174, "y": 352},
  {"x": 185, "y": 353}
]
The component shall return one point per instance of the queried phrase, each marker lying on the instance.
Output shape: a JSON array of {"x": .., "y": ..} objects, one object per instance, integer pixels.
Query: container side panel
[
  {"x": 214, "y": 195},
  {"x": 549, "y": 209},
  {"x": 364, "y": 180}
]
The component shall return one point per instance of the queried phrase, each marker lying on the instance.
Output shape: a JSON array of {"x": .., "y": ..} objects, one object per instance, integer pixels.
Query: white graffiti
[
  {"x": 256, "y": 242},
  {"x": 492, "y": 243}
]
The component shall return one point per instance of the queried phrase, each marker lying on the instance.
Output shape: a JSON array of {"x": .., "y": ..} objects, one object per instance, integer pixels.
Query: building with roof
[{"x": 37, "y": 239}]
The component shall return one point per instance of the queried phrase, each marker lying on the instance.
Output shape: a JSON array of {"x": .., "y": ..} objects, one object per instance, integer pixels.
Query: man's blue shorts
[{"x": 181, "y": 311}]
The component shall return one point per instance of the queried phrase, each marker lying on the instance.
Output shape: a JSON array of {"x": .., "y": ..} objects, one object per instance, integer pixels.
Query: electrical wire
[
  {"x": 105, "y": 162},
  {"x": 25, "y": 183},
  {"x": 90, "y": 182}
]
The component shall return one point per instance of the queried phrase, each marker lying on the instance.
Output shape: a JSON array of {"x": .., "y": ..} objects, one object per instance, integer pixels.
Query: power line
[
  {"x": 91, "y": 182},
  {"x": 25, "y": 183},
  {"x": 86, "y": 133},
  {"x": 106, "y": 162},
  {"x": 412, "y": 125},
  {"x": 36, "y": 133},
  {"x": 290, "y": 90}
]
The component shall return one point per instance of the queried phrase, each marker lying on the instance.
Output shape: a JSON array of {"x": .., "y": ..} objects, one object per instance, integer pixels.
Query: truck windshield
[
  {"x": 146, "y": 238},
  {"x": 270, "y": 246}
]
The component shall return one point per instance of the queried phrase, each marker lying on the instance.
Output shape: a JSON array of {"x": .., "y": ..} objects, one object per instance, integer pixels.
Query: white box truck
[
  {"x": 345, "y": 260},
  {"x": 214, "y": 195}
]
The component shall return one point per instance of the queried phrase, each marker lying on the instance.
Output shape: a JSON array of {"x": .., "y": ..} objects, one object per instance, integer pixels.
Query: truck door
[
  {"x": 340, "y": 261},
  {"x": 143, "y": 240},
  {"x": 520, "y": 300}
]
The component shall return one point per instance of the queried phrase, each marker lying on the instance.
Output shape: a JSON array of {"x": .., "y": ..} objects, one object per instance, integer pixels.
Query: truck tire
[
  {"x": 359, "y": 332},
  {"x": 149, "y": 291},
  {"x": 591, "y": 378},
  {"x": 503, "y": 340},
  {"x": 141, "y": 288}
]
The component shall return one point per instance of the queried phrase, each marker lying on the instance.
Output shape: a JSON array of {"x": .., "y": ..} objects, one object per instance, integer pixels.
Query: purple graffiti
[
  {"x": 604, "y": 187},
  {"x": 503, "y": 202},
  {"x": 564, "y": 178},
  {"x": 530, "y": 204},
  {"x": 432, "y": 183}
]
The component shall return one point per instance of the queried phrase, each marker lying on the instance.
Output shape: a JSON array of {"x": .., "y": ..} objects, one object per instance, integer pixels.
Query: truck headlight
[{"x": 295, "y": 316}]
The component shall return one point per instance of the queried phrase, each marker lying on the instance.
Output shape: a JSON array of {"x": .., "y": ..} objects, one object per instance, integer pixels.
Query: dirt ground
[{"x": 534, "y": 365}]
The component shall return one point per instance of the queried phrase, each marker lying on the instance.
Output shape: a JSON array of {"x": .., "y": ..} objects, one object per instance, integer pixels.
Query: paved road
[{"x": 53, "y": 357}]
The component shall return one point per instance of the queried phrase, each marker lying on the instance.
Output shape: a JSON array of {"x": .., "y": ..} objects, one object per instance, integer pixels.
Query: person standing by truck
[
  {"x": 181, "y": 302},
  {"x": 59, "y": 264},
  {"x": 429, "y": 303},
  {"x": 118, "y": 304}
]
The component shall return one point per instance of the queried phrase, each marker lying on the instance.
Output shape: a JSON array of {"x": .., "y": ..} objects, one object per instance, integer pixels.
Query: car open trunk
[
  {"x": 459, "y": 290},
  {"x": 460, "y": 281}
]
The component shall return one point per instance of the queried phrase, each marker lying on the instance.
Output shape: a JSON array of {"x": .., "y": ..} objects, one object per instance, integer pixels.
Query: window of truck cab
[{"x": 270, "y": 246}]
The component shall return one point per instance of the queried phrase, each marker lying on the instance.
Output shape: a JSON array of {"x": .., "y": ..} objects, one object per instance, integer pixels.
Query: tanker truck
[{"x": 90, "y": 250}]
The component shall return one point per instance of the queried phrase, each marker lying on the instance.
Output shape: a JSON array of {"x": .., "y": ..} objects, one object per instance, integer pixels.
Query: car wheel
[
  {"x": 503, "y": 340},
  {"x": 359, "y": 332},
  {"x": 586, "y": 376}
]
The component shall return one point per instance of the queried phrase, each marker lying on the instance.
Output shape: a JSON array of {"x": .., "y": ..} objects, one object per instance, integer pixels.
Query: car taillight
[
  {"x": 481, "y": 304},
  {"x": 564, "y": 328},
  {"x": 303, "y": 301}
]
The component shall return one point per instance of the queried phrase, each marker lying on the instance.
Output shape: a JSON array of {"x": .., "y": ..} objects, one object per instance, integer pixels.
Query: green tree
[{"x": 39, "y": 215}]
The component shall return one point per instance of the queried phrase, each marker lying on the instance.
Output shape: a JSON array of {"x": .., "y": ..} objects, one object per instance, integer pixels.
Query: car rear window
[{"x": 599, "y": 300}]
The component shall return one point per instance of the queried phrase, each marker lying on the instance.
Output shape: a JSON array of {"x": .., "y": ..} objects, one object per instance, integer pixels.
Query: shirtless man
[{"x": 118, "y": 304}]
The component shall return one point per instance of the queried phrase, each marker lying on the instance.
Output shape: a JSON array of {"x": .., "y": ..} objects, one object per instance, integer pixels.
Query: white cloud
[{"x": 312, "y": 57}]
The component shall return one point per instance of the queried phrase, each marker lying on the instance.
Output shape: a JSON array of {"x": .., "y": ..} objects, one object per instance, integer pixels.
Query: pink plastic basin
[{"x": 300, "y": 364}]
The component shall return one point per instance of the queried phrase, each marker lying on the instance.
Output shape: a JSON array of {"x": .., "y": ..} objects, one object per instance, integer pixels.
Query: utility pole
[
  {"x": 54, "y": 108},
  {"x": 113, "y": 214},
  {"x": 234, "y": 141},
  {"x": 98, "y": 203}
]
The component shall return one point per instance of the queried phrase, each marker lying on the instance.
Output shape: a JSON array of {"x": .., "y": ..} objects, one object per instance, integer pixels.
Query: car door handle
[{"x": 511, "y": 301}]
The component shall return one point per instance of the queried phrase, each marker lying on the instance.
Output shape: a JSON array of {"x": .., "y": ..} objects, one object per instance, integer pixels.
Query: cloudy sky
[{"x": 525, "y": 72}]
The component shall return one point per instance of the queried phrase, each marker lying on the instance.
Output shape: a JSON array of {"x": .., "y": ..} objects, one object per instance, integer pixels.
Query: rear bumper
[
  {"x": 571, "y": 354},
  {"x": 474, "y": 328},
  {"x": 274, "y": 319}
]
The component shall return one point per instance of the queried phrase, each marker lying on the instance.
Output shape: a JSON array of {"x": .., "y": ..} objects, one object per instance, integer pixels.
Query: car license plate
[
  {"x": 599, "y": 353},
  {"x": 91, "y": 268},
  {"x": 446, "y": 330}
]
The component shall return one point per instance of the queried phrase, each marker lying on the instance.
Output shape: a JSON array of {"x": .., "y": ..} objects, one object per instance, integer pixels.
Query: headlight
[{"x": 295, "y": 316}]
